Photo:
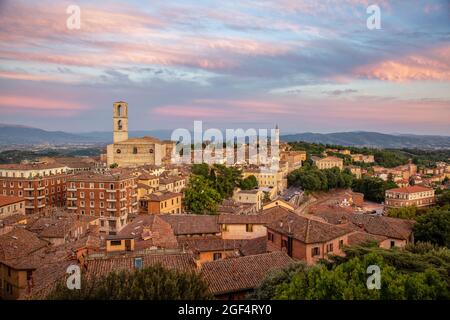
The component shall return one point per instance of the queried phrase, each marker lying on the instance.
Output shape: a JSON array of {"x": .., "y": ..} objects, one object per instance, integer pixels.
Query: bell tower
[{"x": 120, "y": 121}]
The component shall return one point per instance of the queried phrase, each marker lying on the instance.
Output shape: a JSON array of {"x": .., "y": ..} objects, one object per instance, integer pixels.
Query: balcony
[
  {"x": 42, "y": 205},
  {"x": 111, "y": 190},
  {"x": 29, "y": 197},
  {"x": 41, "y": 196},
  {"x": 29, "y": 207},
  {"x": 28, "y": 188},
  {"x": 72, "y": 199},
  {"x": 71, "y": 189},
  {"x": 111, "y": 200},
  {"x": 111, "y": 209},
  {"x": 72, "y": 208},
  {"x": 40, "y": 188}
]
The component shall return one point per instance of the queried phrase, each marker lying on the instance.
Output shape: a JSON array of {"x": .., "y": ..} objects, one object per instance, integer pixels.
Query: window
[
  {"x": 138, "y": 263},
  {"x": 217, "y": 256},
  {"x": 330, "y": 247},
  {"x": 135, "y": 150},
  {"x": 315, "y": 251},
  {"x": 116, "y": 243},
  {"x": 118, "y": 151},
  {"x": 119, "y": 125},
  {"x": 270, "y": 236},
  {"x": 151, "y": 150},
  {"x": 341, "y": 243},
  {"x": 224, "y": 227},
  {"x": 249, "y": 227},
  {"x": 392, "y": 243}
]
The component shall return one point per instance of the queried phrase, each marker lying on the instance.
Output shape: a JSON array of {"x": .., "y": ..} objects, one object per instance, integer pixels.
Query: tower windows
[
  {"x": 119, "y": 124},
  {"x": 118, "y": 151},
  {"x": 119, "y": 110},
  {"x": 135, "y": 150},
  {"x": 151, "y": 150}
]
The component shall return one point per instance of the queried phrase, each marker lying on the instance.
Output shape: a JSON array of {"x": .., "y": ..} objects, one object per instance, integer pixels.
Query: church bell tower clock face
[{"x": 120, "y": 121}]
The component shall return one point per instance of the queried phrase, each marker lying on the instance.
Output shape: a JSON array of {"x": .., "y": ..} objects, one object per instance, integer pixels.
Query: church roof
[{"x": 141, "y": 140}]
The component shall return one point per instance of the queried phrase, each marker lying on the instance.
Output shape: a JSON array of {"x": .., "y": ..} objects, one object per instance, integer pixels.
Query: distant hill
[
  {"x": 22, "y": 135},
  {"x": 372, "y": 139}
]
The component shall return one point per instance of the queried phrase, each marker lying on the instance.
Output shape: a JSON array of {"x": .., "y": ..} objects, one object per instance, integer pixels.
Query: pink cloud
[
  {"x": 432, "y": 65},
  {"x": 23, "y": 102}
]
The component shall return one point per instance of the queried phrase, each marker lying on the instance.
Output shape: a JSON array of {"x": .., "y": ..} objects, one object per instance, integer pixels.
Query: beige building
[
  {"x": 409, "y": 196},
  {"x": 10, "y": 205},
  {"x": 129, "y": 152},
  {"x": 328, "y": 162},
  {"x": 254, "y": 196},
  {"x": 362, "y": 158},
  {"x": 268, "y": 178}
]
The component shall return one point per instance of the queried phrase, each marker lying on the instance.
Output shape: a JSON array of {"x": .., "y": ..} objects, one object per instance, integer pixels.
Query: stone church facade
[{"x": 131, "y": 152}]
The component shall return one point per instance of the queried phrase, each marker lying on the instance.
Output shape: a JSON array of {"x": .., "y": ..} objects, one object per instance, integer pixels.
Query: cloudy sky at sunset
[{"x": 308, "y": 65}]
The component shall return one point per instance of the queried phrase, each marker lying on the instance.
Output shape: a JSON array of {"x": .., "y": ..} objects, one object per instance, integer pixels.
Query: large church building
[{"x": 131, "y": 152}]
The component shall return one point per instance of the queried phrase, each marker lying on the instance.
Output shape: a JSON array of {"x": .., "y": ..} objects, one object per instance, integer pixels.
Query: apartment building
[
  {"x": 409, "y": 196},
  {"x": 162, "y": 202},
  {"x": 111, "y": 196},
  {"x": 328, "y": 162},
  {"x": 10, "y": 205},
  {"x": 42, "y": 185}
]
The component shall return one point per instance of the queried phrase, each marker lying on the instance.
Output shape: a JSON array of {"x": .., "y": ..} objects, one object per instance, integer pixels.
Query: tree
[
  {"x": 114, "y": 165},
  {"x": 404, "y": 275},
  {"x": 249, "y": 183},
  {"x": 201, "y": 169},
  {"x": 201, "y": 197},
  {"x": 403, "y": 213},
  {"x": 373, "y": 188},
  {"x": 434, "y": 227},
  {"x": 227, "y": 179},
  {"x": 310, "y": 178},
  {"x": 151, "y": 283},
  {"x": 443, "y": 198}
]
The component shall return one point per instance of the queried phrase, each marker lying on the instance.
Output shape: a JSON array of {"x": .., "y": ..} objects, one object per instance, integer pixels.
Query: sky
[{"x": 306, "y": 65}]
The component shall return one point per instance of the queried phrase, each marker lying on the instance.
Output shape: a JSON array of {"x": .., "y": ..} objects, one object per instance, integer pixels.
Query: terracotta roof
[
  {"x": 307, "y": 229},
  {"x": 178, "y": 261},
  {"x": 186, "y": 224},
  {"x": 243, "y": 273},
  {"x": 100, "y": 177},
  {"x": 410, "y": 189},
  {"x": 147, "y": 176},
  {"x": 254, "y": 246},
  {"x": 242, "y": 219},
  {"x": 161, "y": 196},
  {"x": 205, "y": 244},
  {"x": 19, "y": 243},
  {"x": 142, "y": 140},
  {"x": 7, "y": 200},
  {"x": 373, "y": 224},
  {"x": 358, "y": 238},
  {"x": 32, "y": 166}
]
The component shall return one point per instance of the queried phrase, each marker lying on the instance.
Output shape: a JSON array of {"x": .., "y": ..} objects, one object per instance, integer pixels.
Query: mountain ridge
[{"x": 25, "y": 135}]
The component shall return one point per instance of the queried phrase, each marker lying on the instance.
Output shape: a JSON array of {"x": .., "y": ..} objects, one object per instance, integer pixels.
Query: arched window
[
  {"x": 151, "y": 150},
  {"x": 118, "y": 151},
  {"x": 119, "y": 110},
  {"x": 119, "y": 124},
  {"x": 135, "y": 150}
]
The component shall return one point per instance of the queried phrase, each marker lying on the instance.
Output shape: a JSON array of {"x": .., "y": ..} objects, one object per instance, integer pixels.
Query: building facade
[
  {"x": 409, "y": 196},
  {"x": 43, "y": 186},
  {"x": 111, "y": 197},
  {"x": 129, "y": 152},
  {"x": 328, "y": 162}
]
